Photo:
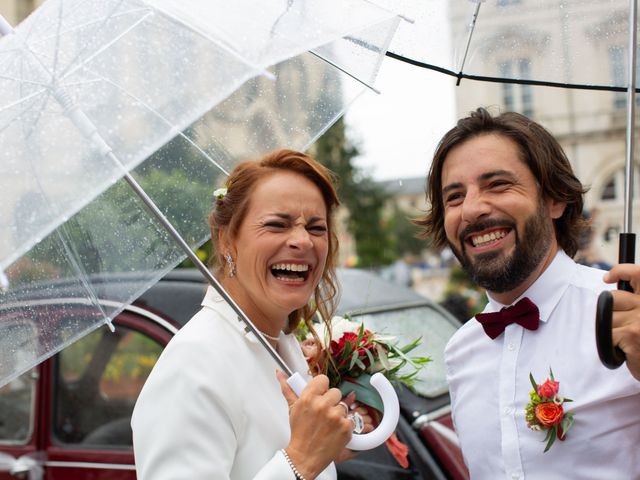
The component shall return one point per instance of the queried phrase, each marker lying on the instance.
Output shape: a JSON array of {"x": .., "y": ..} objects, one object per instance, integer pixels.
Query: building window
[
  {"x": 609, "y": 190},
  {"x": 613, "y": 189},
  {"x": 517, "y": 98}
]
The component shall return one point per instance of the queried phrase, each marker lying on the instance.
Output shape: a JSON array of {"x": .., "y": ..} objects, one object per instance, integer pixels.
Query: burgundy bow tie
[{"x": 524, "y": 313}]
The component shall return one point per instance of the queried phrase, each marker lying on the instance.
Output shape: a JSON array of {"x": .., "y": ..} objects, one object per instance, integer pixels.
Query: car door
[
  {"x": 18, "y": 424},
  {"x": 69, "y": 417},
  {"x": 93, "y": 386}
]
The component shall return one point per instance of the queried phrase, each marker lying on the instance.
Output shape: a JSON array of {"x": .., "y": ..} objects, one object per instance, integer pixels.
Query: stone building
[{"x": 588, "y": 39}]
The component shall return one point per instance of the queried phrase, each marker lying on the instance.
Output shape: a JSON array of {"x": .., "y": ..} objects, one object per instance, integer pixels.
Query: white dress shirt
[
  {"x": 212, "y": 408},
  {"x": 489, "y": 384}
]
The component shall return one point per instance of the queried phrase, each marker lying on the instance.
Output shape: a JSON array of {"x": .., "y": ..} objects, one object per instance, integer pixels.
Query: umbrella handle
[
  {"x": 610, "y": 356},
  {"x": 389, "y": 422}
]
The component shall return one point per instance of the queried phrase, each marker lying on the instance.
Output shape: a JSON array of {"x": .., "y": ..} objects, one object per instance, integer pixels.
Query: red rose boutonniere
[{"x": 545, "y": 411}]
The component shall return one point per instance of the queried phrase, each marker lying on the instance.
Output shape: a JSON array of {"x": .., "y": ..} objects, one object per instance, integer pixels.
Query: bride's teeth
[{"x": 292, "y": 267}]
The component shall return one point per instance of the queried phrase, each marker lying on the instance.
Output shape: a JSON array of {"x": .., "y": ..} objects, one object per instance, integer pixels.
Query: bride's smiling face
[{"x": 281, "y": 247}]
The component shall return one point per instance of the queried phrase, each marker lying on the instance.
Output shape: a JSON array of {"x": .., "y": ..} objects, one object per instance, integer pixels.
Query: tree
[
  {"x": 360, "y": 194},
  {"x": 404, "y": 234}
]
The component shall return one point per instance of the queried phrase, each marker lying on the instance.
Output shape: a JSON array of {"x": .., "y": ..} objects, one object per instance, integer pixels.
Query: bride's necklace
[{"x": 266, "y": 335}]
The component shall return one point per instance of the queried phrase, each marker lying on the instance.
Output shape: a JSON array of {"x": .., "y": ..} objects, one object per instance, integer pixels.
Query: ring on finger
[
  {"x": 358, "y": 422},
  {"x": 346, "y": 408}
]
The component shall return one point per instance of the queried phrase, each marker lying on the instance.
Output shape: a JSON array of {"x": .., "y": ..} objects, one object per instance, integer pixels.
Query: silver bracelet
[{"x": 295, "y": 471}]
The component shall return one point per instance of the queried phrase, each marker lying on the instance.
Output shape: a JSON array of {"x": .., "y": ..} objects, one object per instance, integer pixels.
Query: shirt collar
[
  {"x": 288, "y": 347},
  {"x": 547, "y": 290}
]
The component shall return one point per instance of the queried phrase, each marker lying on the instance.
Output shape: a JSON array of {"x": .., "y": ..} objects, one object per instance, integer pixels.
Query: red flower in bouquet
[
  {"x": 545, "y": 411},
  {"x": 353, "y": 343},
  {"x": 349, "y": 354}
]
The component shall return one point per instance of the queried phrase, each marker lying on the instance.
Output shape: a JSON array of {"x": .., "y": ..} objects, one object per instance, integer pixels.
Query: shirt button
[
  {"x": 515, "y": 475},
  {"x": 511, "y": 347}
]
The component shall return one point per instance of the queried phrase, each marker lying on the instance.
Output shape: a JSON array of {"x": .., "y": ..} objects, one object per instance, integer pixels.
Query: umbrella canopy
[
  {"x": 174, "y": 92},
  {"x": 480, "y": 40}
]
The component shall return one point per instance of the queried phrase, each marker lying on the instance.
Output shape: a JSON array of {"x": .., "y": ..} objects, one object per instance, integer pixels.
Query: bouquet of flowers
[
  {"x": 545, "y": 411},
  {"x": 351, "y": 353}
]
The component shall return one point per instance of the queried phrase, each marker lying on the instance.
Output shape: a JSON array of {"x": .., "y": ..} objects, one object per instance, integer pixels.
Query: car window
[
  {"x": 17, "y": 409},
  {"x": 98, "y": 380},
  {"x": 407, "y": 324}
]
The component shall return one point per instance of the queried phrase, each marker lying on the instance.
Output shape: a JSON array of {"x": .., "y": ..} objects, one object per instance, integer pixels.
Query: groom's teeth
[{"x": 487, "y": 237}]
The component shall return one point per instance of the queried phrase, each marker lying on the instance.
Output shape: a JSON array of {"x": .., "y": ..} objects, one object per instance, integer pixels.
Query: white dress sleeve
[{"x": 184, "y": 425}]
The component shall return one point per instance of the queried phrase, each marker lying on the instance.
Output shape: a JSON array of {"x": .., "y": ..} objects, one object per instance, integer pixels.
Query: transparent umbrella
[
  {"x": 111, "y": 109},
  {"x": 588, "y": 48}
]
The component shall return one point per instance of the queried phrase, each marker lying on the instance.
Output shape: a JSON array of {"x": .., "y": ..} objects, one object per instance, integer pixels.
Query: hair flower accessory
[
  {"x": 545, "y": 411},
  {"x": 350, "y": 354},
  {"x": 220, "y": 193}
]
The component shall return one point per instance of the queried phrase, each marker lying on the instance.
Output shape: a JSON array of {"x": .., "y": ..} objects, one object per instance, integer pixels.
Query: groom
[{"x": 503, "y": 197}]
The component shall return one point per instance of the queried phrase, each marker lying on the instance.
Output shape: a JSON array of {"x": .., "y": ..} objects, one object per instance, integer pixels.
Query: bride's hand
[
  {"x": 369, "y": 425},
  {"x": 320, "y": 428}
]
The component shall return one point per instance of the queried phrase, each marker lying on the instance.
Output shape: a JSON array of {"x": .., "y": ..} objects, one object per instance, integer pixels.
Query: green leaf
[
  {"x": 360, "y": 333},
  {"x": 411, "y": 346},
  {"x": 354, "y": 360},
  {"x": 552, "y": 438},
  {"x": 348, "y": 348},
  {"x": 365, "y": 393},
  {"x": 370, "y": 356},
  {"x": 533, "y": 382}
]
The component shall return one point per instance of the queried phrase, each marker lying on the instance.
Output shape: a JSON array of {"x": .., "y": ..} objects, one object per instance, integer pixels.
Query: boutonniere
[{"x": 545, "y": 411}]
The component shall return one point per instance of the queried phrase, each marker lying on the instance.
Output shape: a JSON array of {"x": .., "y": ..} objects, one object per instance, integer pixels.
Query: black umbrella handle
[{"x": 611, "y": 356}]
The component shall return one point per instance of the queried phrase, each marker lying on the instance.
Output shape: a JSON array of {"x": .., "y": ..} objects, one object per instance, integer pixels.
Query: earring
[{"x": 231, "y": 264}]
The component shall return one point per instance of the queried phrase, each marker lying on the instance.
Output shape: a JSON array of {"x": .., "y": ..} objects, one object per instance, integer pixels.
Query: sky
[{"x": 397, "y": 130}]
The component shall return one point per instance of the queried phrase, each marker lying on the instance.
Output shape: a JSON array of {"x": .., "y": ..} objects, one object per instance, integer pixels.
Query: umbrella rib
[
  {"x": 338, "y": 67},
  {"x": 22, "y": 81},
  {"x": 105, "y": 46},
  {"x": 519, "y": 81},
  {"x": 21, "y": 101},
  {"x": 45, "y": 39},
  {"x": 157, "y": 114}
]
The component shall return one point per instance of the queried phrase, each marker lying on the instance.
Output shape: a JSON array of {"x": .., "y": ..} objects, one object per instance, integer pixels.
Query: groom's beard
[{"x": 499, "y": 273}]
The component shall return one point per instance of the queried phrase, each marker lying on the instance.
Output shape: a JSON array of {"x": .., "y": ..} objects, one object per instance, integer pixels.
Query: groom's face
[{"x": 496, "y": 222}]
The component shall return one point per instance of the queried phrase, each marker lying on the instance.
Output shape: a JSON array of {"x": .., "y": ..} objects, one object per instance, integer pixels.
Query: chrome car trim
[
  {"x": 109, "y": 303},
  {"x": 110, "y": 466},
  {"x": 426, "y": 418},
  {"x": 431, "y": 420}
]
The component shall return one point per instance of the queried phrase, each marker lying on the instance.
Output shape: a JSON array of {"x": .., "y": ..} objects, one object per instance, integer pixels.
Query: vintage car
[{"x": 68, "y": 418}]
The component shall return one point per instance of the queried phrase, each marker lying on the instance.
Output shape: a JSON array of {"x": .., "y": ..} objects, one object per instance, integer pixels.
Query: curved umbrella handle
[
  {"x": 389, "y": 422},
  {"x": 610, "y": 356}
]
